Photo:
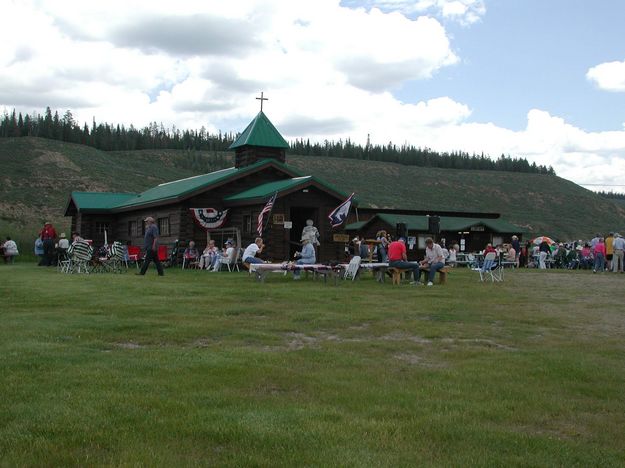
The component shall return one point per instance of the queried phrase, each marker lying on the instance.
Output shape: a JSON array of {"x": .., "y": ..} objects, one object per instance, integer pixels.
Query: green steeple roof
[{"x": 260, "y": 132}]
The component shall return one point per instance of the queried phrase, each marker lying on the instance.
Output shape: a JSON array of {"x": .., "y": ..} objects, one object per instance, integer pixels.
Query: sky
[{"x": 539, "y": 79}]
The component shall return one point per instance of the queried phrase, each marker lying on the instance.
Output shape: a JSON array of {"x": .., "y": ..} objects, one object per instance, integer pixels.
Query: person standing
[
  {"x": 599, "y": 252},
  {"x": 47, "y": 235},
  {"x": 150, "y": 245},
  {"x": 9, "y": 250},
  {"x": 543, "y": 253},
  {"x": 516, "y": 245},
  {"x": 609, "y": 250},
  {"x": 617, "y": 259}
]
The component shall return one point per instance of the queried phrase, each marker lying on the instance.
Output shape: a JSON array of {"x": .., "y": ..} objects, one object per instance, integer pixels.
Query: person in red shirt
[
  {"x": 397, "y": 258},
  {"x": 47, "y": 235},
  {"x": 599, "y": 252}
]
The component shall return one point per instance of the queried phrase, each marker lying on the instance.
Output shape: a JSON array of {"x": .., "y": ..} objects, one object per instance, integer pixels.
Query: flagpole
[{"x": 275, "y": 197}]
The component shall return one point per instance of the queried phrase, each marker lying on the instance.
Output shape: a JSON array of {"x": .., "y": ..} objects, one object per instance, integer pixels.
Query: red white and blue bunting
[{"x": 208, "y": 218}]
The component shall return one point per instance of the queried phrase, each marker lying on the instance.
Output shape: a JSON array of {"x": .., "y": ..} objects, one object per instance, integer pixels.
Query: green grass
[{"x": 215, "y": 369}]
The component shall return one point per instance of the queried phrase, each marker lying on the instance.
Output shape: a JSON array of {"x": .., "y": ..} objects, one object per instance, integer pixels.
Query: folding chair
[
  {"x": 232, "y": 261},
  {"x": 116, "y": 260},
  {"x": 491, "y": 267},
  {"x": 80, "y": 257},
  {"x": 352, "y": 268},
  {"x": 134, "y": 254}
]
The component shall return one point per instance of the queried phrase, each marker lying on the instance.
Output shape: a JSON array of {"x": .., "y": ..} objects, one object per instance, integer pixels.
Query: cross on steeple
[{"x": 261, "y": 99}]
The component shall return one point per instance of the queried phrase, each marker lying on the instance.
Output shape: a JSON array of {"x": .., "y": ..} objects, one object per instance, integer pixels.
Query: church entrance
[{"x": 298, "y": 216}]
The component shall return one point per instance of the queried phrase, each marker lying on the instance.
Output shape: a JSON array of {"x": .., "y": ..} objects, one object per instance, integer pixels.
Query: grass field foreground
[{"x": 199, "y": 368}]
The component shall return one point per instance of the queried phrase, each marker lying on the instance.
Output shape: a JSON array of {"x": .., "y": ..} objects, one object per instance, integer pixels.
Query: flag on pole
[
  {"x": 339, "y": 215},
  {"x": 267, "y": 209}
]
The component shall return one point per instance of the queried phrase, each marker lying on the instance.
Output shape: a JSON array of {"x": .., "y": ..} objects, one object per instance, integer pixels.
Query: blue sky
[
  {"x": 544, "y": 80},
  {"x": 534, "y": 54}
]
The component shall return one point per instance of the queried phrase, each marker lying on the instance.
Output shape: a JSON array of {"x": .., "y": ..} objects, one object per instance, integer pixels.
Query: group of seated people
[{"x": 211, "y": 257}]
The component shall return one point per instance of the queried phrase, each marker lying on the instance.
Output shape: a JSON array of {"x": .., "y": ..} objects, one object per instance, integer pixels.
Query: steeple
[{"x": 259, "y": 140}]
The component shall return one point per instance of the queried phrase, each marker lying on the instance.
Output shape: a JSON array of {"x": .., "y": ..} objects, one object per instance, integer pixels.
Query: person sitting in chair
[
  {"x": 226, "y": 253},
  {"x": 252, "y": 250},
  {"x": 208, "y": 256},
  {"x": 433, "y": 260},
  {"x": 191, "y": 254},
  {"x": 305, "y": 257}
]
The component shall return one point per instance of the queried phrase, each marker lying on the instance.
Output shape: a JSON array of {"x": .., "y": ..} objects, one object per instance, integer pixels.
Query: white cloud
[
  {"x": 609, "y": 76},
  {"x": 329, "y": 72},
  {"x": 465, "y": 12}
]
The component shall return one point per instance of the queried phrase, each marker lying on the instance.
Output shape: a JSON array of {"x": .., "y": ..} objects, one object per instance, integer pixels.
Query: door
[{"x": 298, "y": 216}]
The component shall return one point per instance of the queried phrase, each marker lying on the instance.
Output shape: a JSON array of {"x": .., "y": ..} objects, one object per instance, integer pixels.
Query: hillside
[{"x": 38, "y": 175}]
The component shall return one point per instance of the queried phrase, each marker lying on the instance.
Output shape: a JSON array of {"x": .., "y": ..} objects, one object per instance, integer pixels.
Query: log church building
[{"x": 225, "y": 204}]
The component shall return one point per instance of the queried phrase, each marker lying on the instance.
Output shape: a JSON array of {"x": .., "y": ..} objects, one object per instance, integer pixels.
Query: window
[
  {"x": 132, "y": 228},
  {"x": 101, "y": 227},
  {"x": 163, "y": 226},
  {"x": 247, "y": 224}
]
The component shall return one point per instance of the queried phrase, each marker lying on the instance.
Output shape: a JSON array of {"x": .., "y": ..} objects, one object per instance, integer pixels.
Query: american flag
[{"x": 267, "y": 209}]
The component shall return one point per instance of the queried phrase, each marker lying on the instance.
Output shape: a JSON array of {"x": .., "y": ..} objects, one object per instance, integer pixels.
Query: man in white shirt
[
  {"x": 433, "y": 261},
  {"x": 249, "y": 256},
  {"x": 617, "y": 259}
]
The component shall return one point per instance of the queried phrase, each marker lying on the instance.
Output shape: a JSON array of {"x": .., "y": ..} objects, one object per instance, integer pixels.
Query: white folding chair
[
  {"x": 352, "y": 268},
  {"x": 490, "y": 268}
]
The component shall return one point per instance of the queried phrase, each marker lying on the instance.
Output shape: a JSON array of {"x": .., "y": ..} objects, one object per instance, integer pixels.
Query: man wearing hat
[
  {"x": 305, "y": 257},
  {"x": 47, "y": 235},
  {"x": 618, "y": 246},
  {"x": 150, "y": 245},
  {"x": 61, "y": 248}
]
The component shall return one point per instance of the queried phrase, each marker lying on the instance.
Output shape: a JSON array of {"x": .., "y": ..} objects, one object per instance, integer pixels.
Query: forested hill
[
  {"x": 110, "y": 137},
  {"x": 39, "y": 174}
]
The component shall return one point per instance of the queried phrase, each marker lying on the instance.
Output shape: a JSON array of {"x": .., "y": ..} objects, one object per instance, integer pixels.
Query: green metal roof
[
  {"x": 94, "y": 201},
  {"x": 178, "y": 188},
  {"x": 447, "y": 223},
  {"x": 268, "y": 189},
  {"x": 260, "y": 132}
]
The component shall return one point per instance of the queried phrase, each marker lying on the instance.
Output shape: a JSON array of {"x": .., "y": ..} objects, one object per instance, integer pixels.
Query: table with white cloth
[{"x": 260, "y": 270}]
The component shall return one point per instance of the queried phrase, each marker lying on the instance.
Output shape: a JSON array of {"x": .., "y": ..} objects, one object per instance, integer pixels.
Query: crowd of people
[{"x": 599, "y": 254}]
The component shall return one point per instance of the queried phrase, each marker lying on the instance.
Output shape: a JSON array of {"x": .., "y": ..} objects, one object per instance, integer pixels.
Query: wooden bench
[
  {"x": 442, "y": 273},
  {"x": 397, "y": 272}
]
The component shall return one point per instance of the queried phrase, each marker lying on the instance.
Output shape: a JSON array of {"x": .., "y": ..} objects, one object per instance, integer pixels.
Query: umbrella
[{"x": 541, "y": 239}]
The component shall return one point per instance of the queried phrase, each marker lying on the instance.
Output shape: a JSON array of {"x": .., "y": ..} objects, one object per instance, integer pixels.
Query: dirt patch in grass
[
  {"x": 58, "y": 159},
  {"x": 418, "y": 360},
  {"x": 128, "y": 345}
]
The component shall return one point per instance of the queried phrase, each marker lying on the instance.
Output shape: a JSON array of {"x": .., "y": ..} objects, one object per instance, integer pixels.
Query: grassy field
[{"x": 209, "y": 369}]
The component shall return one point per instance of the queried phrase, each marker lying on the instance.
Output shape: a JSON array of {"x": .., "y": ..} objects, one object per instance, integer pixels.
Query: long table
[{"x": 260, "y": 270}]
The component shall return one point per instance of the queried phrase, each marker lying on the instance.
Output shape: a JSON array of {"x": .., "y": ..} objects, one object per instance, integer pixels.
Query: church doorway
[{"x": 298, "y": 216}]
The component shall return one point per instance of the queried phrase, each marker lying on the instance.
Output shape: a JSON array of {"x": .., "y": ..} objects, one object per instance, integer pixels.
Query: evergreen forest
[{"x": 111, "y": 137}]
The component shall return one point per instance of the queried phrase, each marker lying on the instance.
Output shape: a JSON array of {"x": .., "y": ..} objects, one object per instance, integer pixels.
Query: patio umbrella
[{"x": 541, "y": 239}]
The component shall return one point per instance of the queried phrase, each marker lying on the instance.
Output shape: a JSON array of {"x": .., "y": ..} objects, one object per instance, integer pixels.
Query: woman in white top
[{"x": 10, "y": 250}]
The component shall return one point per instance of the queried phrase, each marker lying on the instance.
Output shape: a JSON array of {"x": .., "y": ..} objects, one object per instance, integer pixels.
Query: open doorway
[{"x": 298, "y": 216}]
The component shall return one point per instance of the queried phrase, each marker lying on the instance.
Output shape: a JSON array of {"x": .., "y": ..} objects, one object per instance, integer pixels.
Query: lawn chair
[
  {"x": 491, "y": 267},
  {"x": 231, "y": 262},
  {"x": 116, "y": 260},
  {"x": 134, "y": 254},
  {"x": 352, "y": 268},
  {"x": 80, "y": 253}
]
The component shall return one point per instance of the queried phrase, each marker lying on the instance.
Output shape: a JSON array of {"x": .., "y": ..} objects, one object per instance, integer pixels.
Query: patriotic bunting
[{"x": 208, "y": 218}]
